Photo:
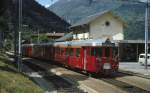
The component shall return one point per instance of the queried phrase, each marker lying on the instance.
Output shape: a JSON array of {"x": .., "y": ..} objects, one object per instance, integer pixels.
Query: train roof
[
  {"x": 93, "y": 42},
  {"x": 41, "y": 44},
  {"x": 81, "y": 43}
]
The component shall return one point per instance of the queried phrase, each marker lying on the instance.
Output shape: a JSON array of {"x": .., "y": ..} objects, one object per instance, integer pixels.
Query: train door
[
  {"x": 72, "y": 61},
  {"x": 91, "y": 64},
  {"x": 107, "y": 52},
  {"x": 107, "y": 60},
  {"x": 78, "y": 57}
]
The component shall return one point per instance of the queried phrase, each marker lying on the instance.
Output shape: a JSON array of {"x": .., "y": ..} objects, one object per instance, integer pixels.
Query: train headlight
[{"x": 106, "y": 66}]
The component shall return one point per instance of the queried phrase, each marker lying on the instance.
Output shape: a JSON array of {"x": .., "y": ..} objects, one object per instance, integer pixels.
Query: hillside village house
[{"x": 99, "y": 26}]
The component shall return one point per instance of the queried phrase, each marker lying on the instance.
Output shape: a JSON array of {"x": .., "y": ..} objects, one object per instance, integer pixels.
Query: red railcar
[
  {"x": 27, "y": 50},
  {"x": 93, "y": 56}
]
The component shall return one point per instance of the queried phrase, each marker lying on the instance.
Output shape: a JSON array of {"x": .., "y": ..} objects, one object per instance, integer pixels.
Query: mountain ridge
[{"x": 36, "y": 16}]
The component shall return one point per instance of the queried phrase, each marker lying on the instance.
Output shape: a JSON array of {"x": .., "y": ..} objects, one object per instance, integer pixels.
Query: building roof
[
  {"x": 52, "y": 34},
  {"x": 55, "y": 34},
  {"x": 90, "y": 18},
  {"x": 132, "y": 41},
  {"x": 64, "y": 38}
]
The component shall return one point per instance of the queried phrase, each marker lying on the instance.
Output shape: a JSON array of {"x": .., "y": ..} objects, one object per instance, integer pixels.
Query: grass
[{"x": 13, "y": 82}]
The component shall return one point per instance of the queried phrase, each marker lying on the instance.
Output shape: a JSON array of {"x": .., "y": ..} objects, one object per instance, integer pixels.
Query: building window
[{"x": 107, "y": 23}]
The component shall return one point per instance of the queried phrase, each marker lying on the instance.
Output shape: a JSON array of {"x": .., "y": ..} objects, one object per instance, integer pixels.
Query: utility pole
[
  {"x": 19, "y": 37},
  {"x": 146, "y": 33}
]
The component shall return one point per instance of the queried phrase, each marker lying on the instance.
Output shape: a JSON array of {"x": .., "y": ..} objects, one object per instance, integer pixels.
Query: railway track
[
  {"x": 61, "y": 85},
  {"x": 113, "y": 80},
  {"x": 124, "y": 86}
]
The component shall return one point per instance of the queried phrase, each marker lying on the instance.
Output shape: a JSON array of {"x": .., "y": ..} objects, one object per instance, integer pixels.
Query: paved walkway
[{"x": 135, "y": 68}]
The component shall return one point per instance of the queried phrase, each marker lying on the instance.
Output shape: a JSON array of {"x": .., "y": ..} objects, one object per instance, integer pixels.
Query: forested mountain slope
[{"x": 131, "y": 11}]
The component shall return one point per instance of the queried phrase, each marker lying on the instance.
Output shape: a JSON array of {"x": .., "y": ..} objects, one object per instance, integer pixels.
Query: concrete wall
[{"x": 99, "y": 29}]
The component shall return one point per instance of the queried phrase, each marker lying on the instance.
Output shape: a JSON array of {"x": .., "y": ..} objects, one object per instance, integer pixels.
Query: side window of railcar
[
  {"x": 78, "y": 52},
  {"x": 57, "y": 50},
  {"x": 93, "y": 52},
  {"x": 67, "y": 51},
  {"x": 98, "y": 51},
  {"x": 62, "y": 51},
  {"x": 71, "y": 51}
]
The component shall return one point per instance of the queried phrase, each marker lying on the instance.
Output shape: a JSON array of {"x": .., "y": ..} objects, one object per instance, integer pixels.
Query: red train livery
[{"x": 92, "y": 56}]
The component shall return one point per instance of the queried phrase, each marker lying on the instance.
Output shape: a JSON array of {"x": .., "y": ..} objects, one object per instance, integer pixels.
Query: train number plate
[{"x": 106, "y": 66}]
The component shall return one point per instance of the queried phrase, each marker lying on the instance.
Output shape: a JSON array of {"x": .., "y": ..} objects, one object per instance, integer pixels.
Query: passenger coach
[{"x": 92, "y": 56}]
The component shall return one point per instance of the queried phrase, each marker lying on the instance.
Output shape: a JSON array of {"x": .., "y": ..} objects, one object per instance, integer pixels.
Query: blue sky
[{"x": 46, "y": 3}]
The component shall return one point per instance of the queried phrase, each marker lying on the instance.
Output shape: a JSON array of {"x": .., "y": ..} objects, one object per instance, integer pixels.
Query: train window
[
  {"x": 96, "y": 52},
  {"x": 57, "y": 50},
  {"x": 93, "y": 52},
  {"x": 71, "y": 51},
  {"x": 62, "y": 51},
  {"x": 107, "y": 52},
  {"x": 67, "y": 51},
  {"x": 78, "y": 52}
]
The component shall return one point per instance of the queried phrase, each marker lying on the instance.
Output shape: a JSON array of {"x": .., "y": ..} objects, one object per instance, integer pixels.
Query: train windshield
[
  {"x": 96, "y": 51},
  {"x": 107, "y": 52},
  {"x": 103, "y": 51},
  {"x": 115, "y": 51}
]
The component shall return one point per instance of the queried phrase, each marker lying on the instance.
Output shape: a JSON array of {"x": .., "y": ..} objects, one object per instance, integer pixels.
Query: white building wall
[
  {"x": 81, "y": 36},
  {"x": 114, "y": 31}
]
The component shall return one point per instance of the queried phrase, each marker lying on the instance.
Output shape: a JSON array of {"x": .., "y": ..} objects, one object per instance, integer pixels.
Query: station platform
[{"x": 134, "y": 68}]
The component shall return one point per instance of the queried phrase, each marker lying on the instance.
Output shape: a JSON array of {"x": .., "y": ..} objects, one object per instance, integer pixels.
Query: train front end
[
  {"x": 107, "y": 58},
  {"x": 100, "y": 57}
]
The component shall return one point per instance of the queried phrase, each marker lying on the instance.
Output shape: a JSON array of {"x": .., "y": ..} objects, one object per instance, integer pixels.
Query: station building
[
  {"x": 106, "y": 25},
  {"x": 99, "y": 26}
]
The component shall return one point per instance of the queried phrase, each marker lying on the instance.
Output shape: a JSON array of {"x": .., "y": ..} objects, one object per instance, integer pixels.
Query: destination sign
[{"x": 108, "y": 43}]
